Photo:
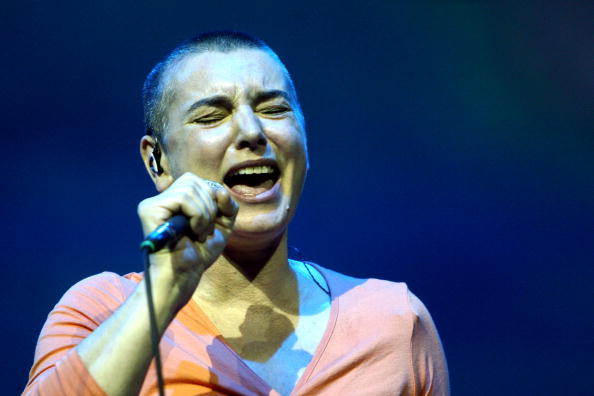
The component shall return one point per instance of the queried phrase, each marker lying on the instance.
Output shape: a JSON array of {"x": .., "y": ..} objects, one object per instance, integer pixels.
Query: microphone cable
[
  {"x": 146, "y": 251},
  {"x": 167, "y": 234}
]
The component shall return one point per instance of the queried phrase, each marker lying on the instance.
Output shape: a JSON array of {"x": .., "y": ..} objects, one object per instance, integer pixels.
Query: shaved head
[{"x": 157, "y": 92}]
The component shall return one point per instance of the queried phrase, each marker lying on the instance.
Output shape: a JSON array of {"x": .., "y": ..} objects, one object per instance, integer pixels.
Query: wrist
[{"x": 170, "y": 290}]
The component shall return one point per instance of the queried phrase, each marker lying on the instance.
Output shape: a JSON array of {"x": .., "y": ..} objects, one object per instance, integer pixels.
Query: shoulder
[
  {"x": 369, "y": 293},
  {"x": 102, "y": 292},
  {"x": 106, "y": 283},
  {"x": 388, "y": 315}
]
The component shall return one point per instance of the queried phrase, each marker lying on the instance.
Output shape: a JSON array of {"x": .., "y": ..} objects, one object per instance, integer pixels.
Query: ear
[{"x": 161, "y": 179}]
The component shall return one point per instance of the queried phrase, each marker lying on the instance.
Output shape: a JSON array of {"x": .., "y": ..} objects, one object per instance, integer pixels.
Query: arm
[
  {"x": 118, "y": 353},
  {"x": 82, "y": 308},
  {"x": 97, "y": 340},
  {"x": 116, "y": 349},
  {"x": 428, "y": 358}
]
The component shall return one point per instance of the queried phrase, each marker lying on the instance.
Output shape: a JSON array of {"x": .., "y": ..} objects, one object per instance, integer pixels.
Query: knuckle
[
  {"x": 186, "y": 195},
  {"x": 195, "y": 224},
  {"x": 208, "y": 217},
  {"x": 202, "y": 220},
  {"x": 212, "y": 207},
  {"x": 143, "y": 206},
  {"x": 192, "y": 177},
  {"x": 185, "y": 179}
]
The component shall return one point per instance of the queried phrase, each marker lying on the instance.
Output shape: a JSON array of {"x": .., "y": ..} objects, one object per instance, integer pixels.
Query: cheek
[
  {"x": 202, "y": 152},
  {"x": 210, "y": 149},
  {"x": 292, "y": 147},
  {"x": 289, "y": 137},
  {"x": 211, "y": 141}
]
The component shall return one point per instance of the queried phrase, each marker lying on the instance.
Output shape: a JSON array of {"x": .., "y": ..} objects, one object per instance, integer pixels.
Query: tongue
[{"x": 243, "y": 189}]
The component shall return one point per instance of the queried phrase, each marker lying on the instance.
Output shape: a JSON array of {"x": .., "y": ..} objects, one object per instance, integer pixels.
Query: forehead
[{"x": 239, "y": 72}]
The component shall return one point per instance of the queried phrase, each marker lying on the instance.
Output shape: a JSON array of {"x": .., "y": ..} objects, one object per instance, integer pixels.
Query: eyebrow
[
  {"x": 225, "y": 102},
  {"x": 272, "y": 94},
  {"x": 213, "y": 101}
]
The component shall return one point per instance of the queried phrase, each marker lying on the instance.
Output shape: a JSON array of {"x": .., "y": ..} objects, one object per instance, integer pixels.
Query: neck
[{"x": 248, "y": 274}]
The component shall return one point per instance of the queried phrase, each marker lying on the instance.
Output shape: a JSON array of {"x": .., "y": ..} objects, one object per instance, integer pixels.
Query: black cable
[
  {"x": 306, "y": 264},
  {"x": 153, "y": 320}
]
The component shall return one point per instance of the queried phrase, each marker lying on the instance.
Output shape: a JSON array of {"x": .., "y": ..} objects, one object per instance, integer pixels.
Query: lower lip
[{"x": 265, "y": 196}]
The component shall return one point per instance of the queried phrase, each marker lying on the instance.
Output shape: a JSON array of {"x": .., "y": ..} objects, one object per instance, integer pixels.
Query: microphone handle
[{"x": 166, "y": 234}]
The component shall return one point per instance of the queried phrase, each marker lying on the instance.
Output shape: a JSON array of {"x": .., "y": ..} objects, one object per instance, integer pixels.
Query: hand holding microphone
[
  {"x": 198, "y": 212},
  {"x": 196, "y": 217},
  {"x": 168, "y": 233}
]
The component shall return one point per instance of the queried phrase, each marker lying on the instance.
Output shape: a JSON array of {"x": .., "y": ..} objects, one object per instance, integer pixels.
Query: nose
[{"x": 250, "y": 133}]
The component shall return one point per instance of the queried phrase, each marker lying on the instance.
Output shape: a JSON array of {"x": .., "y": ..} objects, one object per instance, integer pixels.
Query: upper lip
[{"x": 251, "y": 163}]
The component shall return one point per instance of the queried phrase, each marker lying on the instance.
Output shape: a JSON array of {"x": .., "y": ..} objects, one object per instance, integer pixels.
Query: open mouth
[{"x": 252, "y": 179}]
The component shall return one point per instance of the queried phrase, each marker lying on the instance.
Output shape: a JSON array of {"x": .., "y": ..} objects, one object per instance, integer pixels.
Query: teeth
[{"x": 255, "y": 170}]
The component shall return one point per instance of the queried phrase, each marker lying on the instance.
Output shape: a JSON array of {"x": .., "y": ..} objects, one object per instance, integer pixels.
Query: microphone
[{"x": 166, "y": 234}]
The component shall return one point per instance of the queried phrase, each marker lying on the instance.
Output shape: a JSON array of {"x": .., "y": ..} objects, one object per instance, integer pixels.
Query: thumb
[{"x": 227, "y": 205}]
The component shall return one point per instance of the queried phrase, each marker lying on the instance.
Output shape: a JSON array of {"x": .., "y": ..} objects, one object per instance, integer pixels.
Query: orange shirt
[{"x": 379, "y": 340}]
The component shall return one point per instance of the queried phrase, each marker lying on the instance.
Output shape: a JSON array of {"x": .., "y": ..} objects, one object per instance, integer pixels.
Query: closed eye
[
  {"x": 209, "y": 119},
  {"x": 274, "y": 110}
]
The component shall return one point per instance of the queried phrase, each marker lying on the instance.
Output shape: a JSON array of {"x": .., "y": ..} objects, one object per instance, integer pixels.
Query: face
[{"x": 234, "y": 119}]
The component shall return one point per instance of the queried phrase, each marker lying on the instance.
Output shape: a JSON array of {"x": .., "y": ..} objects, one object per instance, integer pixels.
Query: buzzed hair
[{"x": 156, "y": 96}]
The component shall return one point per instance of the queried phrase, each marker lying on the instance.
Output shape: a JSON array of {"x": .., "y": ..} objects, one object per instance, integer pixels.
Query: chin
[{"x": 264, "y": 227}]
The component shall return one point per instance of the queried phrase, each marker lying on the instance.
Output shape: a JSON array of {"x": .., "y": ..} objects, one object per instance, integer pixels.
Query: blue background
[{"x": 451, "y": 147}]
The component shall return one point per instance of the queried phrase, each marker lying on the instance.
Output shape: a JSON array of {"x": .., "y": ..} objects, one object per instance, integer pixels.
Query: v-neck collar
[
  {"x": 192, "y": 315},
  {"x": 334, "y": 308}
]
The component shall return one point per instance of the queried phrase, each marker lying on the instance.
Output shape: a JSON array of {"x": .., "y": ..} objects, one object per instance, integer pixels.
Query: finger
[
  {"x": 187, "y": 199},
  {"x": 202, "y": 237},
  {"x": 224, "y": 222},
  {"x": 227, "y": 205},
  {"x": 190, "y": 195},
  {"x": 199, "y": 192},
  {"x": 202, "y": 184},
  {"x": 200, "y": 223},
  {"x": 213, "y": 185},
  {"x": 207, "y": 196},
  {"x": 162, "y": 207},
  {"x": 217, "y": 242}
]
